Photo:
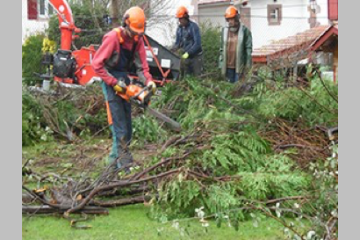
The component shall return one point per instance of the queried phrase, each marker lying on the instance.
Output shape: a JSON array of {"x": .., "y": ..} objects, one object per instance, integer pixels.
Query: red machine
[{"x": 74, "y": 67}]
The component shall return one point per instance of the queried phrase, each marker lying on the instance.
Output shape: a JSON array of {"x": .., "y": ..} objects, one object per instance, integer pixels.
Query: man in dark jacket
[
  {"x": 236, "y": 47},
  {"x": 188, "y": 41},
  {"x": 119, "y": 49}
]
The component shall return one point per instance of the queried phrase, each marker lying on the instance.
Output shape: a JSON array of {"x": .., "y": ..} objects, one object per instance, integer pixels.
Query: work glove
[
  {"x": 120, "y": 86},
  {"x": 185, "y": 55},
  {"x": 152, "y": 86}
]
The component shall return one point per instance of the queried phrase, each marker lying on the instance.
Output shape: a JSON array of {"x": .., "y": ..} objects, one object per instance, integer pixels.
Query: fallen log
[
  {"x": 48, "y": 209},
  {"x": 119, "y": 202},
  {"x": 27, "y": 198}
]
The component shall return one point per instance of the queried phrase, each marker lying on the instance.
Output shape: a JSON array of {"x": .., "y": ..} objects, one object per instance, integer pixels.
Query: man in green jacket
[{"x": 236, "y": 47}]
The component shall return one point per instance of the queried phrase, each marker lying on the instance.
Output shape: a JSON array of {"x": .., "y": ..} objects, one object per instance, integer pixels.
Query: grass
[
  {"x": 68, "y": 159},
  {"x": 131, "y": 222}
]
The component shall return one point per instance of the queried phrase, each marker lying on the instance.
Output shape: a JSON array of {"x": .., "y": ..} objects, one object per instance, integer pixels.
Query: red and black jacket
[{"x": 108, "y": 55}]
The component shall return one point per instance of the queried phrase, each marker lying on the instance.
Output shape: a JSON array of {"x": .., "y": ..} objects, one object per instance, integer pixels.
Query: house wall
[
  {"x": 31, "y": 26},
  {"x": 322, "y": 13},
  {"x": 295, "y": 18},
  {"x": 213, "y": 13}
]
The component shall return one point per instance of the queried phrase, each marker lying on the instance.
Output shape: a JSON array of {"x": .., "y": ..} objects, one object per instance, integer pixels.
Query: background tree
[{"x": 91, "y": 16}]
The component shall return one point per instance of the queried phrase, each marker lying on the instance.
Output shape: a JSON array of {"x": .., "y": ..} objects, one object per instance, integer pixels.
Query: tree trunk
[{"x": 114, "y": 13}]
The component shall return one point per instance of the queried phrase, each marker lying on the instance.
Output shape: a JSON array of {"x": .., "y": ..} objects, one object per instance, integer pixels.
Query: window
[
  {"x": 45, "y": 8},
  {"x": 42, "y": 7},
  {"x": 50, "y": 9},
  {"x": 39, "y": 8},
  {"x": 274, "y": 14},
  {"x": 313, "y": 6}
]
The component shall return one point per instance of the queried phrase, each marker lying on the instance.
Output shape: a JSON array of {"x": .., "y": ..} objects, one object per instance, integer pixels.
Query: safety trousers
[{"x": 119, "y": 119}]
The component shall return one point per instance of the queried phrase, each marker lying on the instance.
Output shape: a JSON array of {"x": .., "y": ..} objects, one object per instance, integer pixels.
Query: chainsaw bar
[{"x": 174, "y": 125}]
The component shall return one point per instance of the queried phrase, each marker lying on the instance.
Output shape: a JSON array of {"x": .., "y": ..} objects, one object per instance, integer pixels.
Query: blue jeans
[
  {"x": 231, "y": 75},
  {"x": 119, "y": 118}
]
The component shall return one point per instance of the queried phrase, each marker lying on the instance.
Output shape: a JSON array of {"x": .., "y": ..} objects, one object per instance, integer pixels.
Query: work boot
[{"x": 124, "y": 160}]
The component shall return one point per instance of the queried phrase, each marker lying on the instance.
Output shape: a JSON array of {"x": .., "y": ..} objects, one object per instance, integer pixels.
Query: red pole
[
  {"x": 66, "y": 22},
  {"x": 66, "y": 37}
]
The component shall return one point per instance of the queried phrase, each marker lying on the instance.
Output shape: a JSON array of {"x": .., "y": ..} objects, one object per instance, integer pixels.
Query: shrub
[
  {"x": 210, "y": 40},
  {"x": 32, "y": 119},
  {"x": 31, "y": 59}
]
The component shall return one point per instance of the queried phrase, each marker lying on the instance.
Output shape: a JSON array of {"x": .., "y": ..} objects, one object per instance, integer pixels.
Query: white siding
[
  {"x": 322, "y": 15},
  {"x": 213, "y": 13},
  {"x": 295, "y": 18},
  {"x": 31, "y": 26}
]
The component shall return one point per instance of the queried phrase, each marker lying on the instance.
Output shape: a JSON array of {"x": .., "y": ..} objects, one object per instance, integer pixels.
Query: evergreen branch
[{"x": 326, "y": 88}]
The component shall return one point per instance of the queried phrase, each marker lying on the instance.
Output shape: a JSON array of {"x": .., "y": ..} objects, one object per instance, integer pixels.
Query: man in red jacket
[{"x": 121, "y": 48}]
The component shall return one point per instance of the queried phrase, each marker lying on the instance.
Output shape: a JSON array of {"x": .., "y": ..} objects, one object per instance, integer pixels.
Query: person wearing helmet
[
  {"x": 188, "y": 42},
  {"x": 120, "y": 49},
  {"x": 236, "y": 47}
]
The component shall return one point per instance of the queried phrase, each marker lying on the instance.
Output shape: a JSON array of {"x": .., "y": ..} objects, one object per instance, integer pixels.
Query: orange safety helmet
[
  {"x": 231, "y": 12},
  {"x": 135, "y": 19},
  {"x": 182, "y": 12}
]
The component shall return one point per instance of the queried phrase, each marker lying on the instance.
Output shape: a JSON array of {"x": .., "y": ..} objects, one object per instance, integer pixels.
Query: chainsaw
[{"x": 140, "y": 96}]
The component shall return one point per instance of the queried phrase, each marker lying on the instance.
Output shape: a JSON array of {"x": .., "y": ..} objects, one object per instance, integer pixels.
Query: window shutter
[
  {"x": 333, "y": 9},
  {"x": 32, "y": 9}
]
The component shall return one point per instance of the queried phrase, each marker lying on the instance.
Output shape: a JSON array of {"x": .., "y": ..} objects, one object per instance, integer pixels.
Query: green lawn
[{"x": 131, "y": 222}]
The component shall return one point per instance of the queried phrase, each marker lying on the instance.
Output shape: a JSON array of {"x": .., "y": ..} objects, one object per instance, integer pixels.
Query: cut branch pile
[
  {"x": 311, "y": 144},
  {"x": 107, "y": 190},
  {"x": 67, "y": 112}
]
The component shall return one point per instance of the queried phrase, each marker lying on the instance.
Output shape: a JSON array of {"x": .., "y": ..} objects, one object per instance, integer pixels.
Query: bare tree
[
  {"x": 162, "y": 21},
  {"x": 160, "y": 18}
]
